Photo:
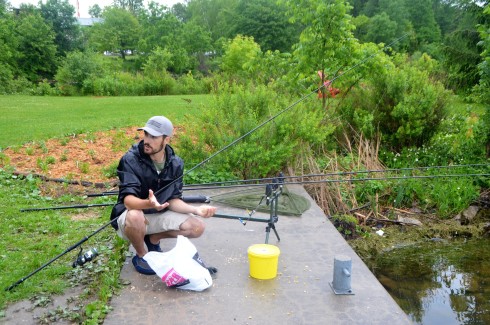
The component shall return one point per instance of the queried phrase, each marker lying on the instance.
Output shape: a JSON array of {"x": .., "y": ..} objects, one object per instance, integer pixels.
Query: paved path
[{"x": 300, "y": 294}]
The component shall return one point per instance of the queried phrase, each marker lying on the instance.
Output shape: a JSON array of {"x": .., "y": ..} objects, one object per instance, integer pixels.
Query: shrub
[
  {"x": 44, "y": 88},
  {"x": 240, "y": 56},
  {"x": 400, "y": 102},
  {"x": 188, "y": 84},
  {"x": 127, "y": 84},
  {"x": 75, "y": 71},
  {"x": 237, "y": 110},
  {"x": 20, "y": 85}
]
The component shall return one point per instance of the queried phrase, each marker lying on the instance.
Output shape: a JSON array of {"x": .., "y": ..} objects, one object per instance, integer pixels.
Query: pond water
[{"x": 439, "y": 282}]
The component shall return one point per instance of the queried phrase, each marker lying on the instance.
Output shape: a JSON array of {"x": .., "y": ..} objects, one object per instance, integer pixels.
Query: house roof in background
[{"x": 89, "y": 21}]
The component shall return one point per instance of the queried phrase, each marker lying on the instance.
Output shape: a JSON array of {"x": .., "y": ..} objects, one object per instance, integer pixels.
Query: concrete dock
[{"x": 301, "y": 293}]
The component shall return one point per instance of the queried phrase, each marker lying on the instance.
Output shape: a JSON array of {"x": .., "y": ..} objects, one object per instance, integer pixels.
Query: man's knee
[
  {"x": 135, "y": 219},
  {"x": 194, "y": 227}
]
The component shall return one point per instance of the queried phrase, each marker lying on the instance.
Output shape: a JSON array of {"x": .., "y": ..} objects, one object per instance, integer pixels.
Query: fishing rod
[
  {"x": 301, "y": 99},
  {"x": 208, "y": 199},
  {"x": 211, "y": 157},
  {"x": 315, "y": 91},
  {"x": 256, "y": 180},
  {"x": 76, "y": 206},
  {"x": 186, "y": 198},
  {"x": 267, "y": 179},
  {"x": 69, "y": 249},
  {"x": 348, "y": 180}
]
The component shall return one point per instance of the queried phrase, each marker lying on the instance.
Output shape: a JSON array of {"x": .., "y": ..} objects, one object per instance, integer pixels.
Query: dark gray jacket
[{"x": 137, "y": 175}]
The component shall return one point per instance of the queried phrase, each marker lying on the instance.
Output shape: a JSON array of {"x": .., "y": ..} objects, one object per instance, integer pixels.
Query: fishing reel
[
  {"x": 84, "y": 258},
  {"x": 272, "y": 191}
]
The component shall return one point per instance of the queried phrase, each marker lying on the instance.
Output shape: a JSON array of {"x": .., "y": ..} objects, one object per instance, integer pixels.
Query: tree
[
  {"x": 36, "y": 46},
  {"x": 9, "y": 54},
  {"x": 197, "y": 43},
  {"x": 483, "y": 89},
  {"x": 161, "y": 28},
  {"x": 158, "y": 61},
  {"x": 382, "y": 21},
  {"x": 163, "y": 32},
  {"x": 267, "y": 23},
  {"x": 118, "y": 33},
  {"x": 215, "y": 16},
  {"x": 381, "y": 29},
  {"x": 3, "y": 7},
  {"x": 60, "y": 15},
  {"x": 240, "y": 56},
  {"x": 327, "y": 42},
  {"x": 398, "y": 13},
  {"x": 133, "y": 6},
  {"x": 423, "y": 20},
  {"x": 186, "y": 41},
  {"x": 95, "y": 11},
  {"x": 461, "y": 49},
  {"x": 181, "y": 12}
]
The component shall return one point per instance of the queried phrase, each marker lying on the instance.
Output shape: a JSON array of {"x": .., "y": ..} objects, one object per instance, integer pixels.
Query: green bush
[
  {"x": 400, "y": 102},
  {"x": 76, "y": 69},
  {"x": 446, "y": 196},
  {"x": 430, "y": 189},
  {"x": 44, "y": 88},
  {"x": 91, "y": 74},
  {"x": 19, "y": 86},
  {"x": 127, "y": 84},
  {"x": 188, "y": 84},
  {"x": 162, "y": 84},
  {"x": 459, "y": 139},
  {"x": 240, "y": 56},
  {"x": 234, "y": 112},
  {"x": 5, "y": 76},
  {"x": 208, "y": 174}
]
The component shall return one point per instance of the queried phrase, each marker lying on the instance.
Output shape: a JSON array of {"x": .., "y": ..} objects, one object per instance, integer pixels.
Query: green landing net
[{"x": 288, "y": 203}]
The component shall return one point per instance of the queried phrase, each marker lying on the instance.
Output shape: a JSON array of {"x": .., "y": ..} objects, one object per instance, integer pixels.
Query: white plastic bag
[{"x": 181, "y": 267}]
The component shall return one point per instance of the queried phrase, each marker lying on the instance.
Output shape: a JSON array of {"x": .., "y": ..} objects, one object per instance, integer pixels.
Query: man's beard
[{"x": 150, "y": 151}]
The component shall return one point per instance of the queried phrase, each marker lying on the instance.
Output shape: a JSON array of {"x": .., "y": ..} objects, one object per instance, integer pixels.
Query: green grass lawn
[
  {"x": 30, "y": 118},
  {"x": 31, "y": 239}
]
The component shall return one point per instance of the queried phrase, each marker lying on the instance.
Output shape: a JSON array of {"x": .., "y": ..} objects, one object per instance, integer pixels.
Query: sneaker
[
  {"x": 152, "y": 247},
  {"x": 212, "y": 271},
  {"x": 142, "y": 266}
]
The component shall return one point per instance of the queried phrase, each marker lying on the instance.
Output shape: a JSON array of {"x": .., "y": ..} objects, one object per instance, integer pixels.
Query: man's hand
[
  {"x": 154, "y": 202},
  {"x": 205, "y": 211}
]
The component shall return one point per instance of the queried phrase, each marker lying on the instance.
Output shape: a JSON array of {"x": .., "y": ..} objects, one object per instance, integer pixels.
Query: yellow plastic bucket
[{"x": 263, "y": 260}]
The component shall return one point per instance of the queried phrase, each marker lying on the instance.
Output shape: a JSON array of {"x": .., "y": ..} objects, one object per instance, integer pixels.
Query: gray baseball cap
[{"x": 158, "y": 125}]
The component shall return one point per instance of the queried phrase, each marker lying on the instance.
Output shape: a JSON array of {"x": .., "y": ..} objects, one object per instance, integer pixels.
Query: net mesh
[{"x": 288, "y": 203}]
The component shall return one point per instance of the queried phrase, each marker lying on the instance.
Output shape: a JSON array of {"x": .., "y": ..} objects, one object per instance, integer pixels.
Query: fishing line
[
  {"x": 256, "y": 181},
  {"x": 278, "y": 114},
  {"x": 348, "y": 180},
  {"x": 205, "y": 161},
  {"x": 208, "y": 199}
]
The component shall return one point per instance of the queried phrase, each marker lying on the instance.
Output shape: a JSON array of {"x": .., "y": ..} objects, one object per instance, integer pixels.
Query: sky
[{"x": 84, "y": 5}]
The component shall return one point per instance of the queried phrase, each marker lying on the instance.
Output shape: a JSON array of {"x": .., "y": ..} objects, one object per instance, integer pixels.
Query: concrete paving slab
[{"x": 299, "y": 294}]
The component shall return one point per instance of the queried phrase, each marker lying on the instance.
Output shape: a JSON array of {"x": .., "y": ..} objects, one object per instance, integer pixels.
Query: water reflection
[{"x": 439, "y": 282}]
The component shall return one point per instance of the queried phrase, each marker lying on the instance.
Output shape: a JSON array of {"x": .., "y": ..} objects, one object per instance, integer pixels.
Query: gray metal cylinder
[{"x": 342, "y": 270}]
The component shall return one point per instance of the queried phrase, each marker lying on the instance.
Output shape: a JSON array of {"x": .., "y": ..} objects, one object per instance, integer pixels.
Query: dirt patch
[
  {"x": 79, "y": 160},
  {"x": 87, "y": 215},
  {"x": 90, "y": 157}
]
